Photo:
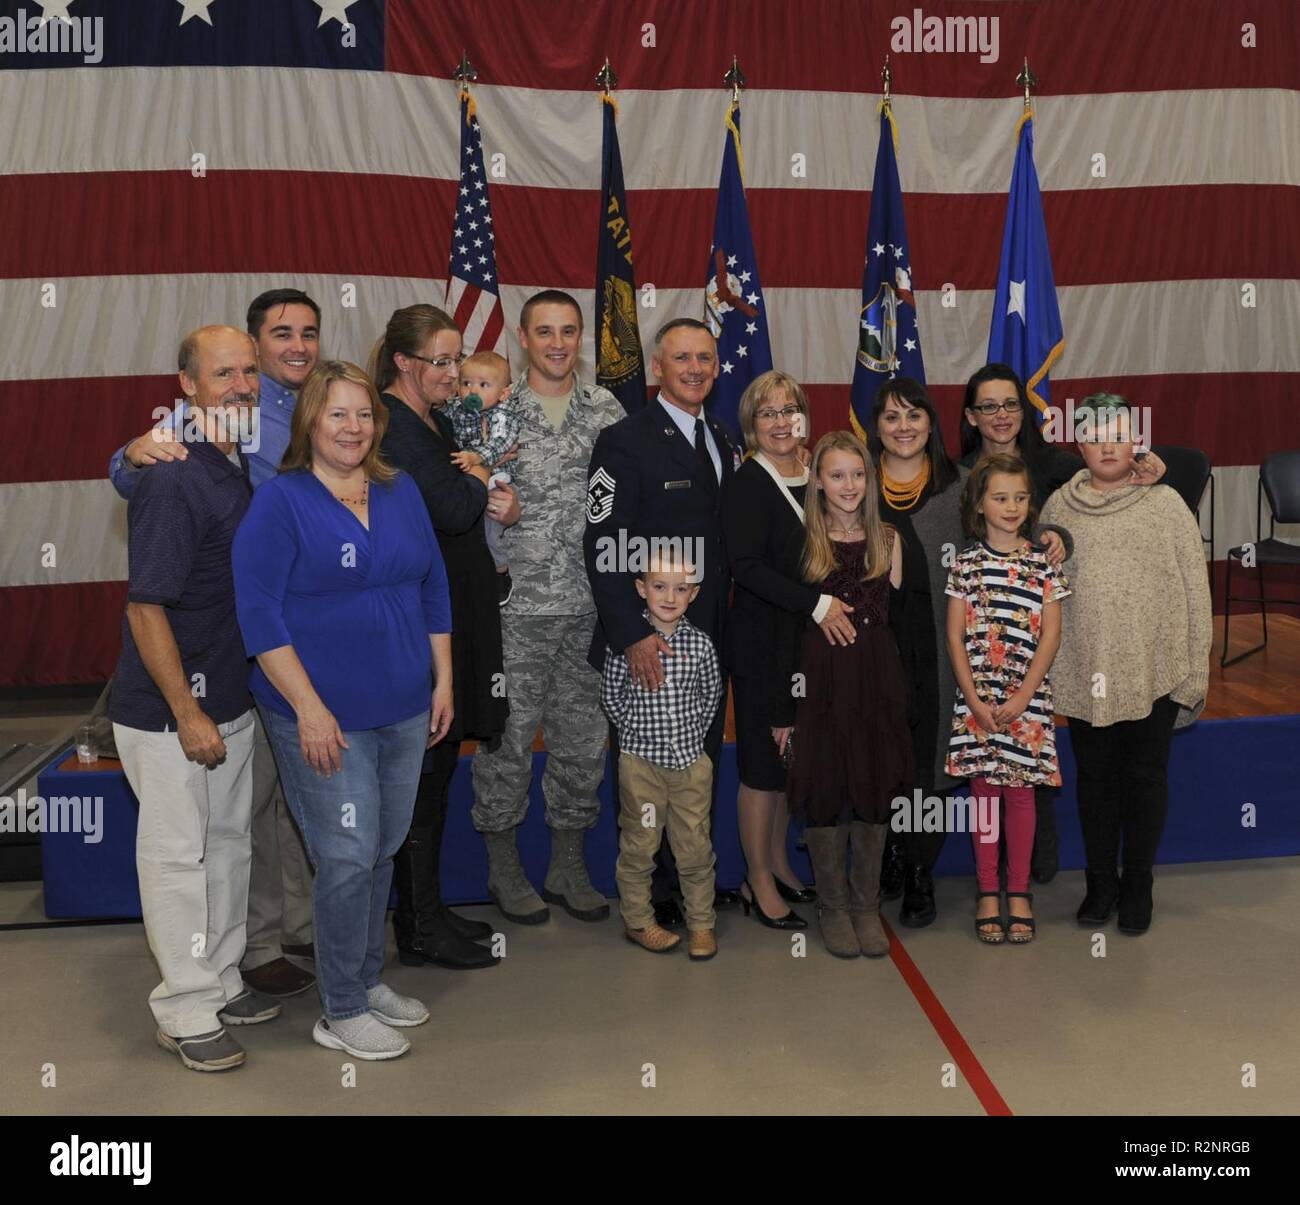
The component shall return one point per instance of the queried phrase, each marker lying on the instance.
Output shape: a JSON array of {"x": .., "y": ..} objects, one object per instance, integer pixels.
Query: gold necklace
[
  {"x": 901, "y": 497},
  {"x": 362, "y": 501}
]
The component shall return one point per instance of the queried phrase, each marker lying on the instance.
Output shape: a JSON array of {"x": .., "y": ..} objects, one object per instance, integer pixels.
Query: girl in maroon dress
[{"x": 850, "y": 747}]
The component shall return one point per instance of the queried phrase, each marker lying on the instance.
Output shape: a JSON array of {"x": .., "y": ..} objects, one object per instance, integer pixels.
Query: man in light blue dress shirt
[{"x": 286, "y": 326}]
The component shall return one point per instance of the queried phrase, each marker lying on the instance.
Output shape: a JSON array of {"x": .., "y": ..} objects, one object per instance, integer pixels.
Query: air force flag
[{"x": 1026, "y": 330}]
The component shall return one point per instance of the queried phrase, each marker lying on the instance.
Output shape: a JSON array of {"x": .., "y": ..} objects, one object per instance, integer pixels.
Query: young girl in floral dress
[{"x": 1004, "y": 627}]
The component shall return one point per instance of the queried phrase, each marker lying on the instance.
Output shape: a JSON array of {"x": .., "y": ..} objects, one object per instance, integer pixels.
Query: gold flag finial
[
  {"x": 886, "y": 79},
  {"x": 735, "y": 80},
  {"x": 606, "y": 78},
  {"x": 1028, "y": 81}
]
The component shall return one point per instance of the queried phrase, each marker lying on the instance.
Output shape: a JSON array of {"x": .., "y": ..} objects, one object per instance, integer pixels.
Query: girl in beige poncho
[{"x": 1134, "y": 657}]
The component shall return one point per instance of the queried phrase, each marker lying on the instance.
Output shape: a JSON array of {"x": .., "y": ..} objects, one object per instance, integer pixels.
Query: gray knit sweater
[{"x": 1137, "y": 625}]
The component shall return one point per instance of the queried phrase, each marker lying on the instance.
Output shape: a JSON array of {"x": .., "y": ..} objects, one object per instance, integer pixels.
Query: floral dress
[{"x": 1005, "y": 593}]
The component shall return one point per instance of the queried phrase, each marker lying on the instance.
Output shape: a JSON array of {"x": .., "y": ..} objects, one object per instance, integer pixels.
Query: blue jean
[{"x": 352, "y": 824}]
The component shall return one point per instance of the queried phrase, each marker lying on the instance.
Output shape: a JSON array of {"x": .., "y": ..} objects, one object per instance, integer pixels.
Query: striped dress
[{"x": 1004, "y": 595}]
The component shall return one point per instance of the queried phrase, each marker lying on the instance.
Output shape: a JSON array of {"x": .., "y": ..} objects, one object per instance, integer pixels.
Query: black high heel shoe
[
  {"x": 791, "y": 920},
  {"x": 793, "y": 895}
]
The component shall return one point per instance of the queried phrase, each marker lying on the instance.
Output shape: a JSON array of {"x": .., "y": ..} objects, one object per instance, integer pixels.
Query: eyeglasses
[
  {"x": 441, "y": 361},
  {"x": 989, "y": 409},
  {"x": 770, "y": 416}
]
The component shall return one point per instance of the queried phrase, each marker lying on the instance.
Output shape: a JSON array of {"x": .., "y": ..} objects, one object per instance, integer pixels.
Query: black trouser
[
  {"x": 665, "y": 872},
  {"x": 420, "y": 857},
  {"x": 1123, "y": 786}
]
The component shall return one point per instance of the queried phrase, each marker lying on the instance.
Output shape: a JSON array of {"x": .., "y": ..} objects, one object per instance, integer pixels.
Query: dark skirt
[
  {"x": 757, "y": 759},
  {"x": 852, "y": 746}
]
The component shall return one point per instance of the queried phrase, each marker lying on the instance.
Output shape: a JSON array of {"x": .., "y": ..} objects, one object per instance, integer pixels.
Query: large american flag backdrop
[{"x": 210, "y": 150}]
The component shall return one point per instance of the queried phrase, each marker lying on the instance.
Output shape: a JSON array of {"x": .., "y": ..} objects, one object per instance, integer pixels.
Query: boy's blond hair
[{"x": 489, "y": 359}]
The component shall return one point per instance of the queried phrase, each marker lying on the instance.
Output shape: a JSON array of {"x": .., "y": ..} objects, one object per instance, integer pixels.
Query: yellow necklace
[{"x": 901, "y": 497}]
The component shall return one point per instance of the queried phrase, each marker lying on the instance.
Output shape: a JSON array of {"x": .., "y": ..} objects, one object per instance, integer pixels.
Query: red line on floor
[{"x": 983, "y": 1087}]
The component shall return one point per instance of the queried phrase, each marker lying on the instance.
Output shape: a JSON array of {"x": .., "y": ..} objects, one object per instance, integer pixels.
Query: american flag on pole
[{"x": 472, "y": 297}]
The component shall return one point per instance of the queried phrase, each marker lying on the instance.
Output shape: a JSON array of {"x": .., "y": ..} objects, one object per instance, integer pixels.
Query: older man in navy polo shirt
[
  {"x": 182, "y": 715},
  {"x": 286, "y": 325}
]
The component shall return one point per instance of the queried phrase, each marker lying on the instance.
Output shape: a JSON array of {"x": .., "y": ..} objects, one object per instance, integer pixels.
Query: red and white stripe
[
  {"x": 479, "y": 315},
  {"x": 352, "y": 199}
]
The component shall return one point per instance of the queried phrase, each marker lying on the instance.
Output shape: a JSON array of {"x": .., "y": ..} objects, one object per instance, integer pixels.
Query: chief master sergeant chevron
[{"x": 546, "y": 627}]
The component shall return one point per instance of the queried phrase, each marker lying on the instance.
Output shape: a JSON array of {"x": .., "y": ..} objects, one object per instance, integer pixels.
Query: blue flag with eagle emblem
[
  {"x": 733, "y": 298},
  {"x": 889, "y": 341}
]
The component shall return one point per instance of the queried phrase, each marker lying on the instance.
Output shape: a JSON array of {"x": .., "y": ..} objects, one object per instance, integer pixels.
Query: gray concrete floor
[{"x": 1160, "y": 1024}]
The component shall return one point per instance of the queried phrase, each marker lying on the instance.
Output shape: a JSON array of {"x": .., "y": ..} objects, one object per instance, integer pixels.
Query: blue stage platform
[{"x": 1221, "y": 772}]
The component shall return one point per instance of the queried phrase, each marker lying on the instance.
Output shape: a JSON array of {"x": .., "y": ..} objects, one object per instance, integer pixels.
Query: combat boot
[
  {"x": 508, "y": 885},
  {"x": 567, "y": 883}
]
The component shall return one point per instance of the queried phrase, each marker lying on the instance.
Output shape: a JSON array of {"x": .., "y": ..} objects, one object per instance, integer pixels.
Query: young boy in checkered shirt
[{"x": 665, "y": 778}]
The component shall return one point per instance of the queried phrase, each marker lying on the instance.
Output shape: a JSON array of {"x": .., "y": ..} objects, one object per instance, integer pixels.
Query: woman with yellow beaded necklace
[{"x": 920, "y": 495}]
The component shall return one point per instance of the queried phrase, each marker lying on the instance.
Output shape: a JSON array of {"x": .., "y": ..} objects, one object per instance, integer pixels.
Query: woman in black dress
[
  {"x": 762, "y": 520},
  {"x": 996, "y": 418},
  {"x": 415, "y": 366}
]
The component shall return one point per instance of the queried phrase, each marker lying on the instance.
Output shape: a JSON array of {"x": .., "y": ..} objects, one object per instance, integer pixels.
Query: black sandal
[
  {"x": 1020, "y": 939},
  {"x": 987, "y": 936}
]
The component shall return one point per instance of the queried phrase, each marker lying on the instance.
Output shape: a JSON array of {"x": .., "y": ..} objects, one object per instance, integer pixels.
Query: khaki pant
[
  {"x": 651, "y": 798},
  {"x": 279, "y": 880},
  {"x": 192, "y": 855}
]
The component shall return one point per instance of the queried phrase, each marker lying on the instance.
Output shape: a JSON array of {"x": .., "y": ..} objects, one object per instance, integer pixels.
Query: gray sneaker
[
  {"x": 249, "y": 1008},
  {"x": 392, "y": 1009},
  {"x": 363, "y": 1037},
  {"x": 215, "y": 1051}
]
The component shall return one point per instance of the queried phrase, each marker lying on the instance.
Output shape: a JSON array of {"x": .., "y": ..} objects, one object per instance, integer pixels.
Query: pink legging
[{"x": 1018, "y": 824}]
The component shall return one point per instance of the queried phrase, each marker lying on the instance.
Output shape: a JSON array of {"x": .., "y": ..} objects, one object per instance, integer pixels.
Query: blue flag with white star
[
  {"x": 1026, "y": 330},
  {"x": 733, "y": 298},
  {"x": 889, "y": 341}
]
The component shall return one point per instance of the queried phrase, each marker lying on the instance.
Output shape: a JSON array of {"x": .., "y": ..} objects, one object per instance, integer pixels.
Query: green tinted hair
[{"x": 1099, "y": 409}]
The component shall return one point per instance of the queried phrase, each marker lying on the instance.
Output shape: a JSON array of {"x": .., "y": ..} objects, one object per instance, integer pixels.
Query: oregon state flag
[
  {"x": 889, "y": 340},
  {"x": 1026, "y": 330},
  {"x": 620, "y": 367}
]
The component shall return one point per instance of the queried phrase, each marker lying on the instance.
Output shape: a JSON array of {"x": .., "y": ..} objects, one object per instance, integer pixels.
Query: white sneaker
[
  {"x": 393, "y": 1009},
  {"x": 363, "y": 1037}
]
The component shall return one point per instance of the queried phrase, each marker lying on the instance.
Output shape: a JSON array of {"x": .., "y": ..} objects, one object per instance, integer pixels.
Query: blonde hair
[
  {"x": 760, "y": 390},
  {"x": 488, "y": 359},
  {"x": 311, "y": 405},
  {"x": 818, "y": 552},
  {"x": 408, "y": 330}
]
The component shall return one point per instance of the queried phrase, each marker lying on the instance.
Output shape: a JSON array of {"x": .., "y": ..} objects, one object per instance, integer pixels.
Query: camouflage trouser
[{"x": 548, "y": 682}]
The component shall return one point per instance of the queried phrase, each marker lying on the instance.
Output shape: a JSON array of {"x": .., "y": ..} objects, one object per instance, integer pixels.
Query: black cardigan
[{"x": 771, "y": 603}]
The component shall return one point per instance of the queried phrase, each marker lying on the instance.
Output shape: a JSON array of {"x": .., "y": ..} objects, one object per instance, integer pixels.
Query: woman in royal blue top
[{"x": 342, "y": 597}]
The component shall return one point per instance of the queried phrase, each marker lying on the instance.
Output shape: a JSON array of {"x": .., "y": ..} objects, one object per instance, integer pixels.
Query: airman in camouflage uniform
[{"x": 546, "y": 628}]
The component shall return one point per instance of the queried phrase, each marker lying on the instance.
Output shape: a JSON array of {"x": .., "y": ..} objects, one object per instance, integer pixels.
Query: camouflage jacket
[{"x": 550, "y": 475}]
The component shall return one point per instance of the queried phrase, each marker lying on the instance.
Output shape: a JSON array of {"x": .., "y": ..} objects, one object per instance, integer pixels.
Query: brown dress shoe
[
  {"x": 703, "y": 945},
  {"x": 654, "y": 938},
  {"x": 279, "y": 978}
]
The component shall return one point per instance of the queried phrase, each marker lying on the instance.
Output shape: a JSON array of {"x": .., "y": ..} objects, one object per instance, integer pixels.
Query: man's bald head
[{"x": 187, "y": 359}]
